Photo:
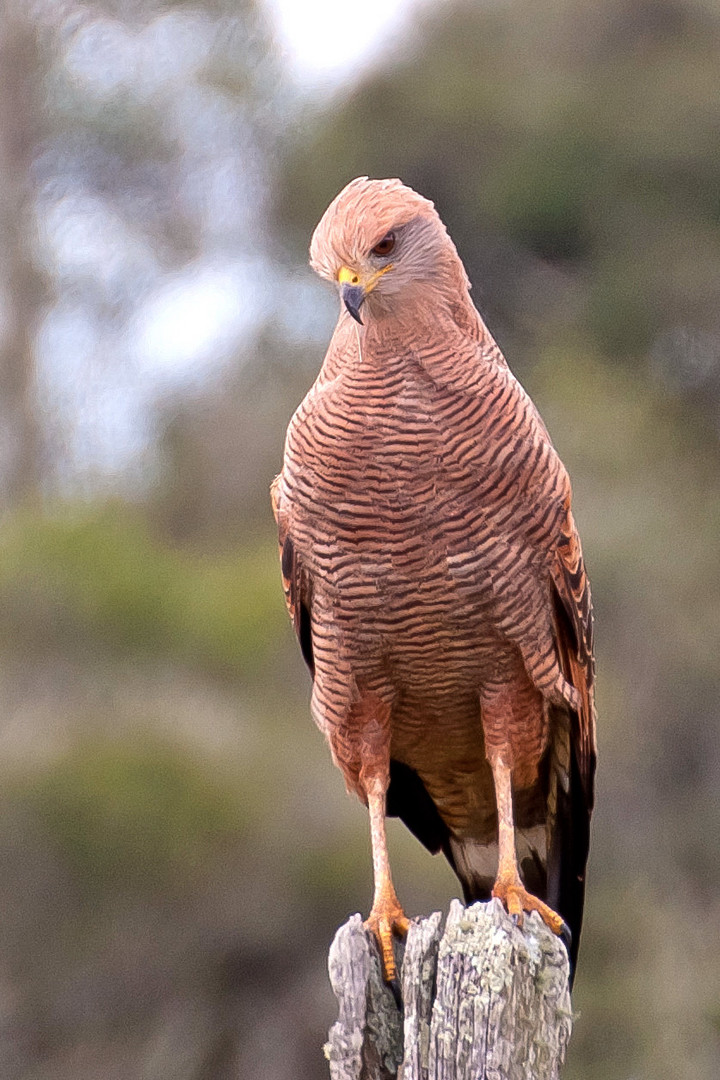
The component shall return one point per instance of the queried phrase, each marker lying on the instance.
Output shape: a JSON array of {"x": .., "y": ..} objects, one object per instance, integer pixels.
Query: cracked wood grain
[{"x": 482, "y": 1000}]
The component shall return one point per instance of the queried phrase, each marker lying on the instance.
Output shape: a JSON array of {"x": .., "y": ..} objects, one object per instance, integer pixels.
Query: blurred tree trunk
[{"x": 22, "y": 286}]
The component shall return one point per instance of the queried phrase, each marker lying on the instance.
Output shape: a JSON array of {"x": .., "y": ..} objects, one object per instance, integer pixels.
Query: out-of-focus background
[{"x": 176, "y": 847}]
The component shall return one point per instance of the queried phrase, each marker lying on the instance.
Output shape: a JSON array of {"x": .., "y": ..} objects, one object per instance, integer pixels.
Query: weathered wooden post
[{"x": 482, "y": 1000}]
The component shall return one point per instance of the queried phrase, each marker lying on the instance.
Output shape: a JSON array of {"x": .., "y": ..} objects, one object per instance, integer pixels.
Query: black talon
[{"x": 396, "y": 992}]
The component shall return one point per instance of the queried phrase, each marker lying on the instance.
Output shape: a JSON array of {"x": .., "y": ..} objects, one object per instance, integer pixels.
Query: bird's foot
[
  {"x": 385, "y": 919},
  {"x": 518, "y": 900}
]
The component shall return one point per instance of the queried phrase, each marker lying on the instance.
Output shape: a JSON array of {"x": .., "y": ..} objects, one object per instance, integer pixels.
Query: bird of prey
[{"x": 434, "y": 576}]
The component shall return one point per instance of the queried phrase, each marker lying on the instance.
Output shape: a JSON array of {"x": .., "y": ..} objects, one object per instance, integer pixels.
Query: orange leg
[
  {"x": 387, "y": 916},
  {"x": 508, "y": 886}
]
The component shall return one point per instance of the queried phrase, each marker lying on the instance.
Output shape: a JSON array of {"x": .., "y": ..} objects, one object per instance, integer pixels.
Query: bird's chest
[
  {"x": 394, "y": 488},
  {"x": 367, "y": 448}
]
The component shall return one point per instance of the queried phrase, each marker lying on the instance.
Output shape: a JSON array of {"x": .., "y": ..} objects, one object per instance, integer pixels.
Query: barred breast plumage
[{"x": 434, "y": 574}]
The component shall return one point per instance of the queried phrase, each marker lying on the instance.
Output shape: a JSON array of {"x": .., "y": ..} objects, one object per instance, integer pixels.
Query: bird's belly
[{"x": 409, "y": 629}]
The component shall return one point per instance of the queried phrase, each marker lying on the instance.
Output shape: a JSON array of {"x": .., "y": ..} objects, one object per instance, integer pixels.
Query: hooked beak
[
  {"x": 353, "y": 297},
  {"x": 355, "y": 288},
  {"x": 352, "y": 291}
]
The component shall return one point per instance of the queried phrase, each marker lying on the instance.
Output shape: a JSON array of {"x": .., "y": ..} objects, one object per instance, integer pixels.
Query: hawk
[{"x": 434, "y": 575}]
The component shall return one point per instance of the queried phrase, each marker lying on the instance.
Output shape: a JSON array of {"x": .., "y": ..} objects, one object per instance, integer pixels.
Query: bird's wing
[
  {"x": 574, "y": 629},
  {"x": 571, "y": 794},
  {"x": 297, "y": 595}
]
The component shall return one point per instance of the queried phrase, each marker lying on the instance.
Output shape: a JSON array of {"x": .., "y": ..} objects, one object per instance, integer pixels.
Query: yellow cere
[{"x": 346, "y": 276}]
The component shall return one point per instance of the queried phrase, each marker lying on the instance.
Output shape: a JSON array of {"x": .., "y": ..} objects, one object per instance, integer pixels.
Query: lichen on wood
[{"x": 482, "y": 999}]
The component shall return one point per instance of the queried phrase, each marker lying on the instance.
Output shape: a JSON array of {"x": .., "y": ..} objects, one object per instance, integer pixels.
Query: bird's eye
[{"x": 385, "y": 246}]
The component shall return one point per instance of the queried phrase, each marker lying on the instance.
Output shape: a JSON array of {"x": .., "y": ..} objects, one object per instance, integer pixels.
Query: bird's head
[{"x": 380, "y": 239}]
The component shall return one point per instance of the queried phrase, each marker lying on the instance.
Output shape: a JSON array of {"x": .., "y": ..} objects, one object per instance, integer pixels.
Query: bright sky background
[
  {"x": 326, "y": 38},
  {"x": 324, "y": 41},
  {"x": 187, "y": 322}
]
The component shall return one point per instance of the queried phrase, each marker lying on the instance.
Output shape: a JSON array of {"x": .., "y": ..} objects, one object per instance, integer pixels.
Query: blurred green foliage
[
  {"x": 97, "y": 577},
  {"x": 133, "y": 816}
]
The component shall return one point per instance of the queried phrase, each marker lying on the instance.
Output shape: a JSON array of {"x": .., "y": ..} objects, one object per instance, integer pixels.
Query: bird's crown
[{"x": 359, "y": 217}]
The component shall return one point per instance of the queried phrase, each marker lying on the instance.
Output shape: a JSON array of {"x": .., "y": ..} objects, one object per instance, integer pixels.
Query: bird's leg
[
  {"x": 387, "y": 916},
  {"x": 508, "y": 886}
]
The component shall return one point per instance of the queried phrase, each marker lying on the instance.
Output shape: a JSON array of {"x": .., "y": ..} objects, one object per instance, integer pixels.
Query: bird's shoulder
[{"x": 491, "y": 429}]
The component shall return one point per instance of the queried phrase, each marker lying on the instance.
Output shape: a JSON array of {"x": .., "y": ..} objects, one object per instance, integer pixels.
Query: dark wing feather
[
  {"x": 574, "y": 628},
  {"x": 571, "y": 791},
  {"x": 297, "y": 594},
  {"x": 408, "y": 799}
]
